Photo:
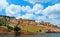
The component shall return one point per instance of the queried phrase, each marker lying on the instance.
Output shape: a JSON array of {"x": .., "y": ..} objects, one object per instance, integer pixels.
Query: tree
[
  {"x": 2, "y": 22},
  {"x": 16, "y": 29},
  {"x": 9, "y": 28}
]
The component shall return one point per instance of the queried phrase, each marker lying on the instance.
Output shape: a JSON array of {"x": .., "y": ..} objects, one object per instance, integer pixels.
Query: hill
[{"x": 26, "y": 26}]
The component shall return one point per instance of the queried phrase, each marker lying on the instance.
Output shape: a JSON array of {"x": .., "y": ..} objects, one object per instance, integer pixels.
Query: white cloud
[
  {"x": 18, "y": 16},
  {"x": 53, "y": 16},
  {"x": 37, "y": 1},
  {"x": 39, "y": 12},
  {"x": 26, "y": 9},
  {"x": 3, "y": 4},
  {"x": 52, "y": 11},
  {"x": 28, "y": 16},
  {"x": 40, "y": 18},
  {"x": 13, "y": 10},
  {"x": 43, "y": 1},
  {"x": 54, "y": 22},
  {"x": 37, "y": 7}
]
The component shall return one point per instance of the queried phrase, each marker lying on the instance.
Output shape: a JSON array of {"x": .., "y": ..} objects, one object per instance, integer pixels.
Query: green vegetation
[
  {"x": 16, "y": 28},
  {"x": 2, "y": 22},
  {"x": 31, "y": 28},
  {"x": 9, "y": 28}
]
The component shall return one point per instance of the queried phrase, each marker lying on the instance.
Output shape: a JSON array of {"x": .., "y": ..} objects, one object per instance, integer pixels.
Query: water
[{"x": 40, "y": 35}]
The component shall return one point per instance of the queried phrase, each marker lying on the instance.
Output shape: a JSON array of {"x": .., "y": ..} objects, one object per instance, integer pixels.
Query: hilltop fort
[{"x": 27, "y": 26}]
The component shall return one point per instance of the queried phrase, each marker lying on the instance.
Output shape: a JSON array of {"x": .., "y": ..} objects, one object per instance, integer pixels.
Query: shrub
[
  {"x": 2, "y": 22},
  {"x": 16, "y": 28},
  {"x": 9, "y": 27}
]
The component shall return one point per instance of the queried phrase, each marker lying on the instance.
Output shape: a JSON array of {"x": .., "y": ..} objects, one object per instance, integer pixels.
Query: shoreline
[{"x": 27, "y": 33}]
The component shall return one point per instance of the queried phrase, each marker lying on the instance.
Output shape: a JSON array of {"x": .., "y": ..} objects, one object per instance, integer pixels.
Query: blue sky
[{"x": 38, "y": 10}]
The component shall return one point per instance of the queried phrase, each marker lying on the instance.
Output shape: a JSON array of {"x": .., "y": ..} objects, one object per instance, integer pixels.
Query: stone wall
[
  {"x": 31, "y": 24},
  {"x": 13, "y": 21}
]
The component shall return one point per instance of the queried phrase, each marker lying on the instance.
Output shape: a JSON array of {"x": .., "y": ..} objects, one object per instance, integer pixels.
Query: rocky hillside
[{"x": 27, "y": 26}]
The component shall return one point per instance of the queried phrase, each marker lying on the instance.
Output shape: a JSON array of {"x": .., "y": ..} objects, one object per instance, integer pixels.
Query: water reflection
[
  {"x": 17, "y": 35},
  {"x": 40, "y": 35}
]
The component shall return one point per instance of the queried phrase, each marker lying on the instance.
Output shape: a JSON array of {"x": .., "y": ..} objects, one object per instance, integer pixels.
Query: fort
[{"x": 30, "y": 26}]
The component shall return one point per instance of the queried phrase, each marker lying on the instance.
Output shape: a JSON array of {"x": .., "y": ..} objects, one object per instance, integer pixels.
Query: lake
[{"x": 40, "y": 35}]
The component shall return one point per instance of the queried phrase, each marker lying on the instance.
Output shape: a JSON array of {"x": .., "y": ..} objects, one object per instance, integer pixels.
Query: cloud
[
  {"x": 50, "y": 14},
  {"x": 30, "y": 13},
  {"x": 37, "y": 7},
  {"x": 3, "y": 4},
  {"x": 37, "y": 1},
  {"x": 28, "y": 16},
  {"x": 53, "y": 14},
  {"x": 40, "y": 18},
  {"x": 13, "y": 10},
  {"x": 54, "y": 22},
  {"x": 43, "y": 1},
  {"x": 26, "y": 9},
  {"x": 52, "y": 11}
]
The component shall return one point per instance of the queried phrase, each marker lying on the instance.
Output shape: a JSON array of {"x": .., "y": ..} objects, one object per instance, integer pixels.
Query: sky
[{"x": 38, "y": 10}]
